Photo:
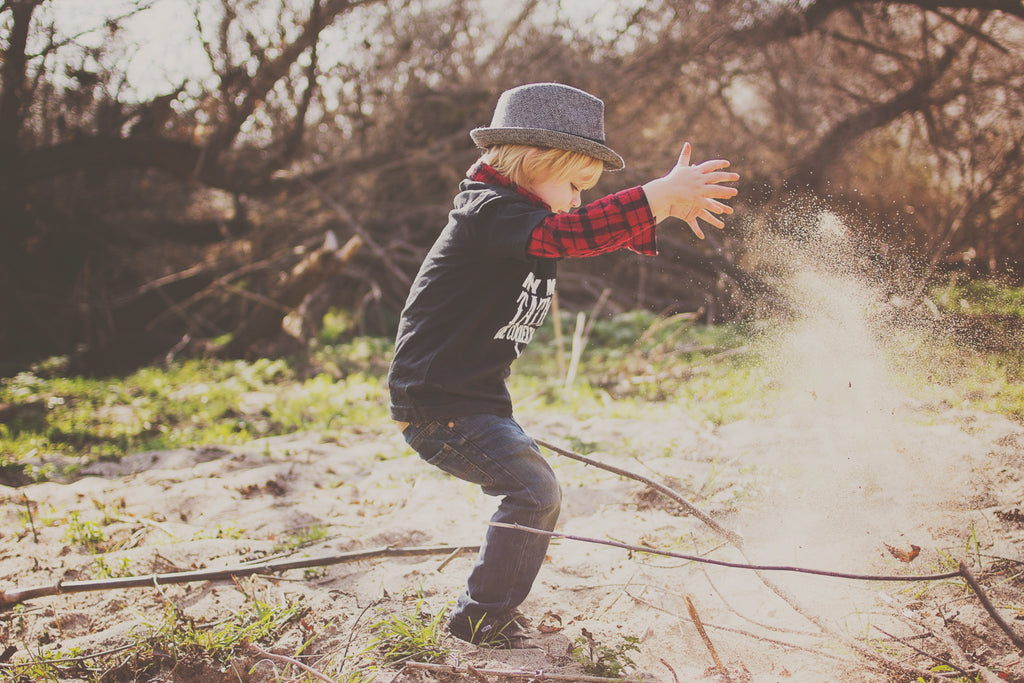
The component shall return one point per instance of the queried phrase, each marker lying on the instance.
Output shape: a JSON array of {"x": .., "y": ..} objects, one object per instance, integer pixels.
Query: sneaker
[{"x": 508, "y": 632}]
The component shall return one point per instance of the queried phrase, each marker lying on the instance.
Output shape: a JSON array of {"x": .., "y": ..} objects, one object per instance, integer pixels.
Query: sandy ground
[
  {"x": 802, "y": 488},
  {"x": 845, "y": 475}
]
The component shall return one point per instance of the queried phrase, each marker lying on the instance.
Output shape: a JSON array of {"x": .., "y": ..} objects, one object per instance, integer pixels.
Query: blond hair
[{"x": 524, "y": 164}]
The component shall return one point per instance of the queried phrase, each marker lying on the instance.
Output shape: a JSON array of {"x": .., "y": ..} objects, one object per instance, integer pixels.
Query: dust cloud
[{"x": 855, "y": 466}]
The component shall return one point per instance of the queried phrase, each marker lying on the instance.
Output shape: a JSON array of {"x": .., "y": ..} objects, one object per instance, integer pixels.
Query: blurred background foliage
[{"x": 200, "y": 203}]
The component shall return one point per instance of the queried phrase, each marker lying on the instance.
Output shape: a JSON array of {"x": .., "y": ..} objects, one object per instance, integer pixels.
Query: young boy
[{"x": 481, "y": 293}]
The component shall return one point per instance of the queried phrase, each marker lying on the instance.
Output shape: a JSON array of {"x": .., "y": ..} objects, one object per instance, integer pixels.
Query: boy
[{"x": 481, "y": 293}]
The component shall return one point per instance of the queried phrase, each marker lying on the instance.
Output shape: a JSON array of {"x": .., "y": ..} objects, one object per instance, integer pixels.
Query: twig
[
  {"x": 67, "y": 660},
  {"x": 671, "y": 670},
  {"x": 737, "y": 541},
  {"x": 731, "y": 536},
  {"x": 31, "y": 521},
  {"x": 728, "y": 605},
  {"x": 989, "y": 607},
  {"x": 692, "y": 609},
  {"x": 819, "y": 652},
  {"x": 352, "y": 633},
  {"x": 533, "y": 675},
  {"x": 918, "y": 650},
  {"x": 732, "y": 565},
  {"x": 289, "y": 660},
  {"x": 9, "y": 597},
  {"x": 446, "y": 561}
]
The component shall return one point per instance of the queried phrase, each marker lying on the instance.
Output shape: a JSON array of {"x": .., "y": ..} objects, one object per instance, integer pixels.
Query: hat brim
[{"x": 539, "y": 137}]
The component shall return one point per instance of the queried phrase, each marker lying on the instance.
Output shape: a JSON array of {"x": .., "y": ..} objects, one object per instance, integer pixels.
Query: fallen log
[{"x": 315, "y": 269}]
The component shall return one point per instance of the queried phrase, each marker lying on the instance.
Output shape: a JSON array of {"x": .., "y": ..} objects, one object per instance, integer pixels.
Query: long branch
[
  {"x": 16, "y": 595},
  {"x": 774, "y": 587},
  {"x": 732, "y": 565},
  {"x": 731, "y": 536},
  {"x": 531, "y": 675}
]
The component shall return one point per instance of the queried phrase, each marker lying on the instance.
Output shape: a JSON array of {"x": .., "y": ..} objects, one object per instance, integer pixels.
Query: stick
[
  {"x": 533, "y": 675},
  {"x": 577, "y": 350},
  {"x": 732, "y": 565},
  {"x": 919, "y": 651},
  {"x": 556, "y": 317},
  {"x": 14, "y": 596},
  {"x": 731, "y": 536},
  {"x": 989, "y": 607},
  {"x": 737, "y": 541},
  {"x": 31, "y": 522},
  {"x": 289, "y": 660},
  {"x": 704, "y": 635},
  {"x": 446, "y": 561}
]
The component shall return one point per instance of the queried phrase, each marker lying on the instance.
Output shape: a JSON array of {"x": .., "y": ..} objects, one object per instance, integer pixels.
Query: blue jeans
[{"x": 495, "y": 453}]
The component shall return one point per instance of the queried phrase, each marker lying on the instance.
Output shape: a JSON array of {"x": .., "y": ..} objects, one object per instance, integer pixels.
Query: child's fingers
[
  {"x": 714, "y": 165},
  {"x": 710, "y": 219},
  {"x": 719, "y": 177},
  {"x": 718, "y": 191},
  {"x": 716, "y": 206},
  {"x": 696, "y": 228},
  {"x": 684, "y": 156}
]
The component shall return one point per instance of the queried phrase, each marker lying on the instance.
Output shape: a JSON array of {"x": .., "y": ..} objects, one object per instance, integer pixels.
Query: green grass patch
[
  {"x": 175, "y": 641},
  {"x": 630, "y": 363},
  {"x": 415, "y": 634},
  {"x": 65, "y": 422},
  {"x": 980, "y": 297}
]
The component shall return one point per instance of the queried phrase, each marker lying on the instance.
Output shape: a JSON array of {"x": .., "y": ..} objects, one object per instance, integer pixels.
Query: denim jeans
[{"x": 494, "y": 452}]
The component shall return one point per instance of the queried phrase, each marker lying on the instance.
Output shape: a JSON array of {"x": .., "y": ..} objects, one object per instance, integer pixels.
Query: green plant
[
  {"x": 179, "y": 637},
  {"x": 945, "y": 671},
  {"x": 53, "y": 666},
  {"x": 105, "y": 571},
  {"x": 414, "y": 635},
  {"x": 605, "y": 660},
  {"x": 230, "y": 530},
  {"x": 85, "y": 533},
  {"x": 302, "y": 537}
]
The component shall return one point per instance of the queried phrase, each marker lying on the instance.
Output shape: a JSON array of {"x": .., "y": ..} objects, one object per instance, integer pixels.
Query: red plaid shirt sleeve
[{"x": 619, "y": 221}]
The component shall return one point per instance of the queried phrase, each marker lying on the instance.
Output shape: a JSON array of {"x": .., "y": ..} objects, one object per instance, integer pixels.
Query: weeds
[
  {"x": 605, "y": 660},
  {"x": 103, "y": 570},
  {"x": 85, "y": 533},
  {"x": 300, "y": 538},
  {"x": 712, "y": 373},
  {"x": 414, "y": 635},
  {"x": 177, "y": 639}
]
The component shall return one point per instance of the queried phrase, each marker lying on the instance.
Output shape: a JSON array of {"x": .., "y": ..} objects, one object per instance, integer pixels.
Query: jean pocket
[{"x": 457, "y": 464}]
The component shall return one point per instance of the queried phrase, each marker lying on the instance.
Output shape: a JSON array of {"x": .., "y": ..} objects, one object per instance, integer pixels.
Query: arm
[
  {"x": 620, "y": 220},
  {"x": 691, "y": 192}
]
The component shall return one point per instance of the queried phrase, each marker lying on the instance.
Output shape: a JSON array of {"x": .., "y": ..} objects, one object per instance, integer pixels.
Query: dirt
[{"x": 800, "y": 487}]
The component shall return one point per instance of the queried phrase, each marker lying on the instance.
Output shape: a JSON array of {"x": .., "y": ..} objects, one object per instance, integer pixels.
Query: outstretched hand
[{"x": 692, "y": 192}]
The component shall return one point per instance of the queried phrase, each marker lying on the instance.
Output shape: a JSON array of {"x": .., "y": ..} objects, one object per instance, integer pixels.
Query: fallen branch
[
  {"x": 16, "y": 595},
  {"x": 699, "y": 625},
  {"x": 531, "y": 675},
  {"x": 929, "y": 655},
  {"x": 731, "y": 536},
  {"x": 290, "y": 660},
  {"x": 989, "y": 607},
  {"x": 737, "y": 541},
  {"x": 732, "y": 565}
]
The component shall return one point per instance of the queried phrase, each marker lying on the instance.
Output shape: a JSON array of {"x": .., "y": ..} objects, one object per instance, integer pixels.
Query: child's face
[{"x": 561, "y": 195}]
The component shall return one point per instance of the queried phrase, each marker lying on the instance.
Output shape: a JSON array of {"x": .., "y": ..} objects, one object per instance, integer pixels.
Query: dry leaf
[
  {"x": 904, "y": 555},
  {"x": 550, "y": 623}
]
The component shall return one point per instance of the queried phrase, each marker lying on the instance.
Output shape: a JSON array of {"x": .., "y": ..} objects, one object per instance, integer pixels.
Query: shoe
[{"x": 508, "y": 632}]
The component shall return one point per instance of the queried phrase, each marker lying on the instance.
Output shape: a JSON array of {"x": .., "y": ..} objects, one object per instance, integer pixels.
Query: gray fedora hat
[{"x": 549, "y": 115}]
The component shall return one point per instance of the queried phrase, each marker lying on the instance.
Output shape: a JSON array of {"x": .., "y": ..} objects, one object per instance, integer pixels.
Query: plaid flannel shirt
[{"x": 617, "y": 221}]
